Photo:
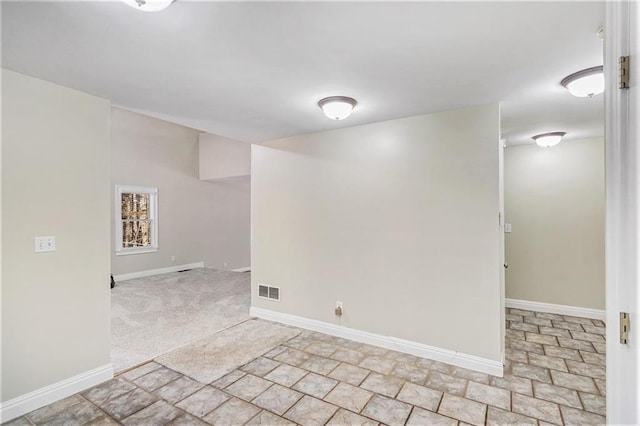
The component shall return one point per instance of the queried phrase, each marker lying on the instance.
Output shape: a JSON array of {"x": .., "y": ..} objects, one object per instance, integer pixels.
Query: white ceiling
[{"x": 255, "y": 71}]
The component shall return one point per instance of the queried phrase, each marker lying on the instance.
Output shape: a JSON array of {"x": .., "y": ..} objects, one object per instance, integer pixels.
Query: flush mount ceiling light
[
  {"x": 149, "y": 5},
  {"x": 549, "y": 139},
  {"x": 337, "y": 107},
  {"x": 585, "y": 83}
]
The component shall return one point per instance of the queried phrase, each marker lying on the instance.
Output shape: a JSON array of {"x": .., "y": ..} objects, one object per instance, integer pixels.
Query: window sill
[{"x": 125, "y": 252}]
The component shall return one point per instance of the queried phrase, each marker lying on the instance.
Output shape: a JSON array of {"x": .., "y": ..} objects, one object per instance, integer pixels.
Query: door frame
[
  {"x": 622, "y": 175},
  {"x": 501, "y": 245}
]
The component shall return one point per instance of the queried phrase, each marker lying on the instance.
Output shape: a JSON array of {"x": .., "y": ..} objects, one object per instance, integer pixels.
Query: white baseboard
[
  {"x": 151, "y": 272},
  {"x": 418, "y": 349},
  {"x": 24, "y": 404},
  {"x": 550, "y": 308},
  {"x": 245, "y": 269}
]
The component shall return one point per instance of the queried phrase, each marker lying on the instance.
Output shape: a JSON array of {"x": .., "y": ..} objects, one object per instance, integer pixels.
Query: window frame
[{"x": 153, "y": 218}]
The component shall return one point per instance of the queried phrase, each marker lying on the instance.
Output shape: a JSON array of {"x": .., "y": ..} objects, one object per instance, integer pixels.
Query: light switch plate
[
  {"x": 507, "y": 227},
  {"x": 45, "y": 244}
]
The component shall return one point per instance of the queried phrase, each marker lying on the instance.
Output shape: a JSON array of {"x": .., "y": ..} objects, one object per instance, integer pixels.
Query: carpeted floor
[{"x": 154, "y": 315}]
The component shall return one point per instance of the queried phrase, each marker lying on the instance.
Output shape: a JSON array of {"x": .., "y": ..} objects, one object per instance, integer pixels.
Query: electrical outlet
[
  {"x": 44, "y": 244},
  {"x": 338, "y": 310},
  {"x": 224, "y": 265},
  {"x": 173, "y": 258}
]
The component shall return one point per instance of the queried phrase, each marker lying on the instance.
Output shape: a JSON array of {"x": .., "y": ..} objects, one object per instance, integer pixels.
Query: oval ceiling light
[
  {"x": 586, "y": 83},
  {"x": 149, "y": 5},
  {"x": 337, "y": 107},
  {"x": 548, "y": 139}
]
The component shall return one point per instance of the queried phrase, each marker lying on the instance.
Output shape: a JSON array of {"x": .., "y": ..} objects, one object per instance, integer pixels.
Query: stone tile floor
[{"x": 554, "y": 374}]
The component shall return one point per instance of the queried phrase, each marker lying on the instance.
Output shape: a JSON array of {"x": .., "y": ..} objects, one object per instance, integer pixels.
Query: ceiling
[{"x": 255, "y": 71}]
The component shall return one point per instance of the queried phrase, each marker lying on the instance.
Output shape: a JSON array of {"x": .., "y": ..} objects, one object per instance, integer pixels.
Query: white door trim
[
  {"x": 503, "y": 261},
  {"x": 622, "y": 194}
]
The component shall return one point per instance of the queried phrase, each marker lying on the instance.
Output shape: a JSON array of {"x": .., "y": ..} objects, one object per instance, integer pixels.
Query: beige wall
[
  {"x": 223, "y": 158},
  {"x": 554, "y": 199},
  {"x": 398, "y": 220},
  {"x": 55, "y": 181},
  {"x": 198, "y": 221}
]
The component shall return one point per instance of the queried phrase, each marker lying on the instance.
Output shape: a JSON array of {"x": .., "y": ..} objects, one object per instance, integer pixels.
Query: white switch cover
[
  {"x": 44, "y": 244},
  {"x": 507, "y": 227}
]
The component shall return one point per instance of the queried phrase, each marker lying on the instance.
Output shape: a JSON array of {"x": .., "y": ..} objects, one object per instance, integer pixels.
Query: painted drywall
[
  {"x": 223, "y": 158},
  {"x": 555, "y": 202},
  {"x": 198, "y": 221},
  {"x": 55, "y": 181},
  {"x": 398, "y": 220}
]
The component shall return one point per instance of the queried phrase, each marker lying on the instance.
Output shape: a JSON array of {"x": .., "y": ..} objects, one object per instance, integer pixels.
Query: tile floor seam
[
  {"x": 447, "y": 416},
  {"x": 131, "y": 414},
  {"x": 136, "y": 411},
  {"x": 182, "y": 399},
  {"x": 439, "y": 402},
  {"x": 413, "y": 407},
  {"x": 332, "y": 416},
  {"x": 562, "y": 387},
  {"x": 326, "y": 375},
  {"x": 561, "y": 416},
  {"x": 183, "y": 412},
  {"x": 299, "y": 380},
  {"x": 486, "y": 411},
  {"x": 583, "y": 404},
  {"x": 365, "y": 377},
  {"x": 256, "y": 415},
  {"x": 168, "y": 383},
  {"x": 466, "y": 388},
  {"x": 368, "y": 400},
  {"x": 360, "y": 413},
  {"x": 95, "y": 405}
]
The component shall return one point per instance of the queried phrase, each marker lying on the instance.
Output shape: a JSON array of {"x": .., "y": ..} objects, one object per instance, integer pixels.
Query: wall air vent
[
  {"x": 267, "y": 292},
  {"x": 274, "y": 293},
  {"x": 263, "y": 291}
]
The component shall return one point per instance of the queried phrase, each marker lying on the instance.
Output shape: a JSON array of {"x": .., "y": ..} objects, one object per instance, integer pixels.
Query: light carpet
[
  {"x": 154, "y": 315},
  {"x": 219, "y": 354}
]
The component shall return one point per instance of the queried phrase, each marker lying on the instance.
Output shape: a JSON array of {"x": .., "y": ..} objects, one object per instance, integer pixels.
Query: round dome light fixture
[
  {"x": 586, "y": 83},
  {"x": 149, "y": 5},
  {"x": 337, "y": 107},
  {"x": 547, "y": 140}
]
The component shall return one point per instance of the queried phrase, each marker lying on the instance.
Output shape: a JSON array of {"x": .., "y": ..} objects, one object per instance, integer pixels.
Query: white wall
[
  {"x": 198, "y": 221},
  {"x": 554, "y": 199},
  {"x": 398, "y": 220},
  {"x": 55, "y": 181},
  {"x": 223, "y": 158}
]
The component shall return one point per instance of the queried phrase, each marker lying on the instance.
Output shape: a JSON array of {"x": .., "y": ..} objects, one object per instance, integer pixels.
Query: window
[{"x": 136, "y": 219}]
